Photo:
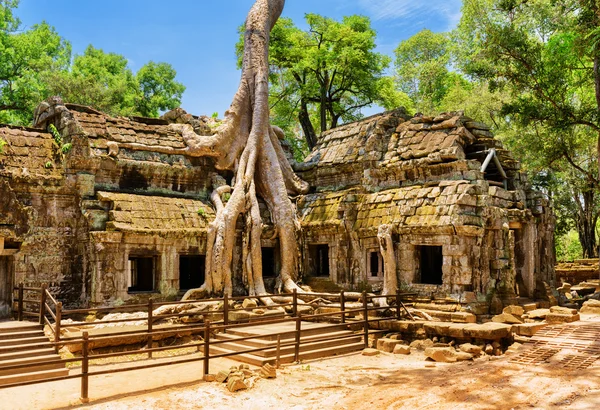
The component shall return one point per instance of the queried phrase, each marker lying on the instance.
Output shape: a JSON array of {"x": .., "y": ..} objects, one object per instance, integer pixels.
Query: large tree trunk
[
  {"x": 249, "y": 146},
  {"x": 586, "y": 218}
]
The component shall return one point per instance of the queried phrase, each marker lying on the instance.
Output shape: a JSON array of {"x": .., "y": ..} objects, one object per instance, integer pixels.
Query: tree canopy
[
  {"x": 37, "y": 63},
  {"x": 324, "y": 75}
]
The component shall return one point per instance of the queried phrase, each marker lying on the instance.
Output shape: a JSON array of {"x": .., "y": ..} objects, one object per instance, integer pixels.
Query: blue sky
[{"x": 197, "y": 37}]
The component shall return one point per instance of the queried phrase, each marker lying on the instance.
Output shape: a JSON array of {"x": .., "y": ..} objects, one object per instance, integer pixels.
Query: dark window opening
[
  {"x": 431, "y": 265},
  {"x": 375, "y": 264},
  {"x": 269, "y": 270},
  {"x": 319, "y": 255},
  {"x": 142, "y": 274},
  {"x": 191, "y": 271}
]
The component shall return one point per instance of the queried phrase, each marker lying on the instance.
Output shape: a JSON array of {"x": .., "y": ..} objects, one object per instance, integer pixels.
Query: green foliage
[
  {"x": 324, "y": 75},
  {"x": 226, "y": 196},
  {"x": 540, "y": 57},
  {"x": 158, "y": 89},
  {"x": 36, "y": 63},
  {"x": 48, "y": 164},
  {"x": 55, "y": 134},
  {"x": 66, "y": 148},
  {"x": 2, "y": 145},
  {"x": 215, "y": 115},
  {"x": 201, "y": 212},
  {"x": 568, "y": 247},
  {"x": 25, "y": 58},
  {"x": 422, "y": 68}
]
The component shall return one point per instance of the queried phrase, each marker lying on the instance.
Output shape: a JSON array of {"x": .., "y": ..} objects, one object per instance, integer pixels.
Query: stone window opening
[
  {"x": 142, "y": 274},
  {"x": 319, "y": 256},
  {"x": 375, "y": 264},
  {"x": 191, "y": 271},
  {"x": 431, "y": 261}
]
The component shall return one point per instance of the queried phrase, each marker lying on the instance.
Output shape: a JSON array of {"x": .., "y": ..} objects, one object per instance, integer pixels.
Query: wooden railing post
[
  {"x": 84, "y": 368},
  {"x": 206, "y": 348},
  {"x": 225, "y": 310},
  {"x": 43, "y": 303},
  {"x": 57, "y": 324},
  {"x": 398, "y": 304},
  {"x": 20, "y": 303},
  {"x": 150, "y": 338},
  {"x": 295, "y": 303},
  {"x": 278, "y": 351},
  {"x": 366, "y": 318},
  {"x": 297, "y": 335},
  {"x": 343, "y": 306}
]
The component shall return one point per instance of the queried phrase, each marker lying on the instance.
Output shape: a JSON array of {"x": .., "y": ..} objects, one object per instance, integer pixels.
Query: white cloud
[{"x": 449, "y": 10}]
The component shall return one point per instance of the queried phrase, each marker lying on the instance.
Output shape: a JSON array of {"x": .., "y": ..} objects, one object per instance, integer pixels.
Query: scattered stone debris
[
  {"x": 370, "y": 352},
  {"x": 242, "y": 377}
]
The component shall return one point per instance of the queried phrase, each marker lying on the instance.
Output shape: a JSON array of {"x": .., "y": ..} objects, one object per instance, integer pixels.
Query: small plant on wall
[{"x": 2, "y": 145}]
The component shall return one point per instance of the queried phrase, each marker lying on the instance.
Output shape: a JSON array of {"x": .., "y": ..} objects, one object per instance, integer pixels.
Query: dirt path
[
  {"x": 390, "y": 382},
  {"x": 348, "y": 382}
]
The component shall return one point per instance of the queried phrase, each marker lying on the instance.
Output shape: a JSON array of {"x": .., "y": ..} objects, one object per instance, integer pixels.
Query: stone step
[
  {"x": 24, "y": 341},
  {"x": 12, "y": 327},
  {"x": 21, "y": 334},
  {"x": 25, "y": 353},
  {"x": 37, "y": 375},
  {"x": 289, "y": 358},
  {"x": 258, "y": 342},
  {"x": 305, "y": 345},
  {"x": 33, "y": 367},
  {"x": 25, "y": 346},
  {"x": 286, "y": 334}
]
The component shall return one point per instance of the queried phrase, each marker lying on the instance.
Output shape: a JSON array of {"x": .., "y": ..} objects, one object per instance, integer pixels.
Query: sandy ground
[{"x": 344, "y": 382}]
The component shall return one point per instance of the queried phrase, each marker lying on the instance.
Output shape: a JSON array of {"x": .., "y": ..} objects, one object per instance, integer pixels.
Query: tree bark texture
[
  {"x": 386, "y": 247},
  {"x": 249, "y": 146}
]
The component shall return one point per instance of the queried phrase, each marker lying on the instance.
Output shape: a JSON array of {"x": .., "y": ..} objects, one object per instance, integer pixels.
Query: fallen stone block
[
  {"x": 421, "y": 344},
  {"x": 538, "y": 313},
  {"x": 463, "y": 317},
  {"x": 249, "y": 303},
  {"x": 563, "y": 310},
  {"x": 470, "y": 348},
  {"x": 528, "y": 329},
  {"x": 591, "y": 306},
  {"x": 370, "y": 352},
  {"x": 488, "y": 331},
  {"x": 462, "y": 356},
  {"x": 528, "y": 307},
  {"x": 442, "y": 354},
  {"x": 562, "y": 318},
  {"x": 268, "y": 371},
  {"x": 514, "y": 310},
  {"x": 401, "y": 349},
  {"x": 506, "y": 318},
  {"x": 387, "y": 345},
  {"x": 222, "y": 376},
  {"x": 236, "y": 383}
]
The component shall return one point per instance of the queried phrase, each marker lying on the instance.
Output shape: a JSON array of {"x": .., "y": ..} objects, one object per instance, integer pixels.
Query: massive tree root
[
  {"x": 249, "y": 146},
  {"x": 386, "y": 246}
]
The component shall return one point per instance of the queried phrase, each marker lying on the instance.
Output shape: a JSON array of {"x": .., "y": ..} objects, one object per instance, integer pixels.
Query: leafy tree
[
  {"x": 544, "y": 55},
  {"x": 36, "y": 63},
  {"x": 422, "y": 69},
  {"x": 326, "y": 74},
  {"x": 104, "y": 81},
  {"x": 158, "y": 89},
  {"x": 25, "y": 58}
]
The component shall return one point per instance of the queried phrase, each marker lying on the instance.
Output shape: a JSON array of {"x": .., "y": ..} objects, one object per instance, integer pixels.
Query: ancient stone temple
[{"x": 110, "y": 210}]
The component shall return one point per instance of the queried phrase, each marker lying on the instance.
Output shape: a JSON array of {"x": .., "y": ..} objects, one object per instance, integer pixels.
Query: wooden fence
[{"x": 50, "y": 312}]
